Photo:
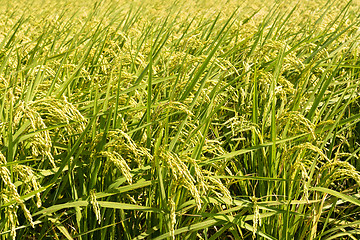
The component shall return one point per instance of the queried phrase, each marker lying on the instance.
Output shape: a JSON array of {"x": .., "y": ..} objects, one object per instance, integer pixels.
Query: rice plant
[{"x": 179, "y": 120}]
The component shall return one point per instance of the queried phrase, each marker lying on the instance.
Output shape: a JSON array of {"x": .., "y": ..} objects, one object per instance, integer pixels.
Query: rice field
[{"x": 179, "y": 119}]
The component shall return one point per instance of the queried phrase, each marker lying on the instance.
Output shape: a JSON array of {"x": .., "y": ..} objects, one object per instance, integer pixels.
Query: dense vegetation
[{"x": 186, "y": 120}]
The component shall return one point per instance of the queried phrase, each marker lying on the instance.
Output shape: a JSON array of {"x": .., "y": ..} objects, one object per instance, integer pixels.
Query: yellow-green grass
[{"x": 179, "y": 119}]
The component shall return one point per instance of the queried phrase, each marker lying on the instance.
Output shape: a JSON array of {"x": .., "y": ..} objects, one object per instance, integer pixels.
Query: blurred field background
[{"x": 179, "y": 119}]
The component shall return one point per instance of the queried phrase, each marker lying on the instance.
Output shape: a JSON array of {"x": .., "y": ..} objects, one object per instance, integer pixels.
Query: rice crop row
[{"x": 179, "y": 120}]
